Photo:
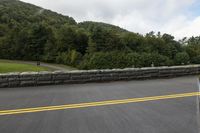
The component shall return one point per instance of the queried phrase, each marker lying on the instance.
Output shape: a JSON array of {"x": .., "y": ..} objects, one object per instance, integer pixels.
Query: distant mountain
[{"x": 14, "y": 11}]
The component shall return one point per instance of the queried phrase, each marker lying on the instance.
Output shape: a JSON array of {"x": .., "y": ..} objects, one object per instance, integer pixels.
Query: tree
[
  {"x": 193, "y": 48},
  {"x": 105, "y": 40},
  {"x": 132, "y": 41},
  {"x": 81, "y": 41},
  {"x": 66, "y": 38}
]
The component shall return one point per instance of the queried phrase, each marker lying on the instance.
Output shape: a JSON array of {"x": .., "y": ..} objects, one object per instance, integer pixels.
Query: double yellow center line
[{"x": 94, "y": 104}]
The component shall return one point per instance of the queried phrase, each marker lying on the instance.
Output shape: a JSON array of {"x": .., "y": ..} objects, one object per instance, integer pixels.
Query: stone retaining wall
[{"x": 57, "y": 77}]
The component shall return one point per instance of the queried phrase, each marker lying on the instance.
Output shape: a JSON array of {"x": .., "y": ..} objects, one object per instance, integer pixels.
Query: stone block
[{"x": 28, "y": 83}]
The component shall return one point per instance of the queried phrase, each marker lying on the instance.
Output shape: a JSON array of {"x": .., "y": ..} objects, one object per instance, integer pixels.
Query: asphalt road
[{"x": 178, "y": 115}]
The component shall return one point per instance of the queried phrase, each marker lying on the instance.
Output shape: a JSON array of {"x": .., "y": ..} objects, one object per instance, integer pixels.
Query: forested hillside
[{"x": 28, "y": 32}]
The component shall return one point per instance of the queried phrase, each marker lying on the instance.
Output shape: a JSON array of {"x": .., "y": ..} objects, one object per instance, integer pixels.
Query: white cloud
[
  {"x": 188, "y": 28},
  {"x": 171, "y": 16}
]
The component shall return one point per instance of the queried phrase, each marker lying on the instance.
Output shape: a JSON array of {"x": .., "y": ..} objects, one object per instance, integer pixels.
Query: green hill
[
  {"x": 29, "y": 32},
  {"x": 17, "y": 12},
  {"x": 89, "y": 26}
]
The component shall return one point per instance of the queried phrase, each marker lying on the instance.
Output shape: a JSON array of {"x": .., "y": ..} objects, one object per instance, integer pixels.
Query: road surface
[{"x": 150, "y": 106}]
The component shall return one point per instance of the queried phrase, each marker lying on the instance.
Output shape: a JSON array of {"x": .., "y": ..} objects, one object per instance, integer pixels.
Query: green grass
[{"x": 9, "y": 66}]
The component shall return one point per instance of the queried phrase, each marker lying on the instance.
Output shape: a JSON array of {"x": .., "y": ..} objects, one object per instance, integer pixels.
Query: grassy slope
[
  {"x": 22, "y": 66},
  {"x": 9, "y": 66}
]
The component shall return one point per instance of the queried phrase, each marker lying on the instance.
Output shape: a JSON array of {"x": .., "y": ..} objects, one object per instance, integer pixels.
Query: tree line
[{"x": 29, "y": 32}]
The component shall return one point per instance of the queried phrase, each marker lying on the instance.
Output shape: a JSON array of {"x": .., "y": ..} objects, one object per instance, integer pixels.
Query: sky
[{"x": 180, "y": 18}]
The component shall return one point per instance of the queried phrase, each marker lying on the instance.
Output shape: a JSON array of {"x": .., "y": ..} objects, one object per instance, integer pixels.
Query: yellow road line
[{"x": 93, "y": 104}]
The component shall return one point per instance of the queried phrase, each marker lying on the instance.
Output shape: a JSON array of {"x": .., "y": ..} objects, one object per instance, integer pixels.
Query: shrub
[
  {"x": 196, "y": 60},
  {"x": 182, "y": 58},
  {"x": 116, "y": 59},
  {"x": 105, "y": 60},
  {"x": 70, "y": 58}
]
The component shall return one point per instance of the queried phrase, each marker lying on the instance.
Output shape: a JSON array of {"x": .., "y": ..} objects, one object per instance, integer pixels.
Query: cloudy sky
[{"x": 178, "y": 17}]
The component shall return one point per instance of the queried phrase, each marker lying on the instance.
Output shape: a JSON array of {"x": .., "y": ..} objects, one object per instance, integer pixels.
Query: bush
[
  {"x": 196, "y": 60},
  {"x": 69, "y": 58},
  {"x": 155, "y": 59},
  {"x": 182, "y": 58},
  {"x": 60, "y": 59},
  {"x": 109, "y": 60},
  {"x": 133, "y": 60},
  {"x": 160, "y": 60},
  {"x": 49, "y": 58}
]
